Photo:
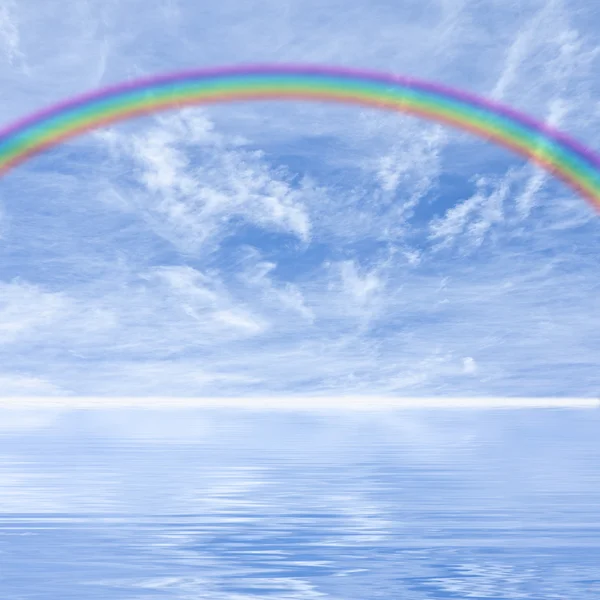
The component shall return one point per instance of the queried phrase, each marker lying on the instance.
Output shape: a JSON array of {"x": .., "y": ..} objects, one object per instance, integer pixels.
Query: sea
[{"x": 130, "y": 504}]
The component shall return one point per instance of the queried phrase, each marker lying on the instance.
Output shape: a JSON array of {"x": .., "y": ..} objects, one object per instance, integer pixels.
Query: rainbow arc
[{"x": 557, "y": 153}]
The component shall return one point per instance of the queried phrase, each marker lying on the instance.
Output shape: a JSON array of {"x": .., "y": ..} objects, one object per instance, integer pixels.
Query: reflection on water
[{"x": 207, "y": 504}]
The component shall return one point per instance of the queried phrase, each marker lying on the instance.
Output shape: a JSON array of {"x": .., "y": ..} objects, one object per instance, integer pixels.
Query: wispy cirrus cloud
[{"x": 192, "y": 197}]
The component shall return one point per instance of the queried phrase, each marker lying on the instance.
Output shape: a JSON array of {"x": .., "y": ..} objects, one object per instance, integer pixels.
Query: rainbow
[{"x": 557, "y": 153}]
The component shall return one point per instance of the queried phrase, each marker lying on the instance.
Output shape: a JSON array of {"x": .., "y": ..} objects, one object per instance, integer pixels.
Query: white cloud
[
  {"x": 194, "y": 206},
  {"x": 469, "y": 366},
  {"x": 25, "y": 308},
  {"x": 363, "y": 288},
  {"x": 471, "y": 220},
  {"x": 271, "y": 294},
  {"x": 239, "y": 320}
]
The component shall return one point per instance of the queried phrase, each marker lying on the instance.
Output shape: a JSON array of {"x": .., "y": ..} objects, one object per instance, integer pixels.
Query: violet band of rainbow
[{"x": 553, "y": 150}]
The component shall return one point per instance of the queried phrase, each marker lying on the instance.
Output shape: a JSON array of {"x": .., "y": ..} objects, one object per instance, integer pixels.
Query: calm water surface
[{"x": 239, "y": 506}]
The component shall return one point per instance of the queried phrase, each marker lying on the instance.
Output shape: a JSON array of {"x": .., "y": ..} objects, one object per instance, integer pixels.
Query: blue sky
[{"x": 297, "y": 248}]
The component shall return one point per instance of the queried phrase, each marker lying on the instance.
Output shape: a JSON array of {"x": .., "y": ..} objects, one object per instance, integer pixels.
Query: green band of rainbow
[{"x": 562, "y": 156}]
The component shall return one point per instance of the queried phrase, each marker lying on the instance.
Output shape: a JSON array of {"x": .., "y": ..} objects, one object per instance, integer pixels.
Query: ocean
[{"x": 240, "y": 505}]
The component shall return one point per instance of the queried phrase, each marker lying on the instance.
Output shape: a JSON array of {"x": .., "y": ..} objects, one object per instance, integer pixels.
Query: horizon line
[{"x": 294, "y": 403}]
